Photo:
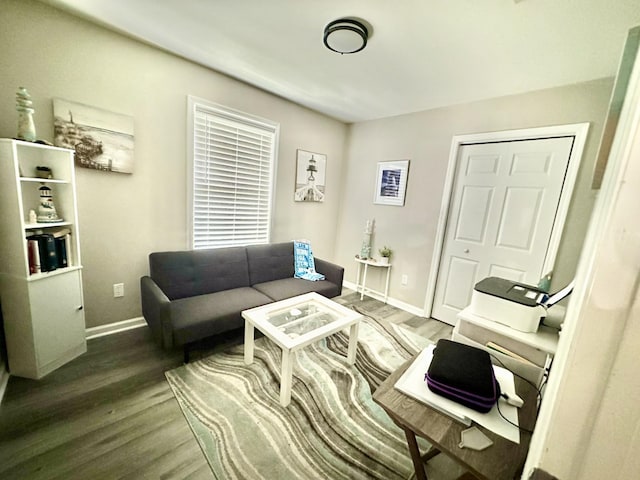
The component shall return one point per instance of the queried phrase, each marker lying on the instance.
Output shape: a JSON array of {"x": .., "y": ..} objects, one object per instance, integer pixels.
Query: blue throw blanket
[{"x": 304, "y": 265}]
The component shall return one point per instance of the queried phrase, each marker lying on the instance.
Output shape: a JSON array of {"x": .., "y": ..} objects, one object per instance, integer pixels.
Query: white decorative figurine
[
  {"x": 26, "y": 127},
  {"x": 47, "y": 210},
  {"x": 365, "y": 250}
]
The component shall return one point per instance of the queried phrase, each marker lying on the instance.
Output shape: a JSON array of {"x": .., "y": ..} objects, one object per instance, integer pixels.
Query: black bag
[{"x": 464, "y": 374}]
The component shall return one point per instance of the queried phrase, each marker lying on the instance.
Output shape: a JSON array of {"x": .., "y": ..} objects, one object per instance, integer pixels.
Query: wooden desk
[{"x": 501, "y": 461}]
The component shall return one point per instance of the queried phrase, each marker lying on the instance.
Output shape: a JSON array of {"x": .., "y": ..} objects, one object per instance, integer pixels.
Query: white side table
[{"x": 363, "y": 287}]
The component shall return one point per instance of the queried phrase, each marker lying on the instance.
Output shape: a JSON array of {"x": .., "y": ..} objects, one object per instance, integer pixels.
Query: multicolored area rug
[{"x": 332, "y": 429}]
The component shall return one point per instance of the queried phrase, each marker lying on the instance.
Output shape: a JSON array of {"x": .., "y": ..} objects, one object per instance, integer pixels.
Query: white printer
[{"x": 520, "y": 306}]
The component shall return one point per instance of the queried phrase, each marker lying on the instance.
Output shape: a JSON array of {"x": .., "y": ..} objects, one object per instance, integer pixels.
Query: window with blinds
[{"x": 232, "y": 174}]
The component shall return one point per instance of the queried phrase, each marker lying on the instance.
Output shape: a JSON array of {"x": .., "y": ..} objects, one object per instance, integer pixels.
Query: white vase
[{"x": 26, "y": 127}]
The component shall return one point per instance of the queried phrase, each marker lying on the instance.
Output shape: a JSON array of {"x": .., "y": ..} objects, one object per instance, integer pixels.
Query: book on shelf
[
  {"x": 49, "y": 251},
  {"x": 63, "y": 246},
  {"x": 61, "y": 251},
  {"x": 60, "y": 232},
  {"x": 34, "y": 256},
  {"x": 68, "y": 247}
]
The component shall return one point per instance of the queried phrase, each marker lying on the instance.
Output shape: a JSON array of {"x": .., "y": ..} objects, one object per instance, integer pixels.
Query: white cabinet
[
  {"x": 42, "y": 311},
  {"x": 535, "y": 349}
]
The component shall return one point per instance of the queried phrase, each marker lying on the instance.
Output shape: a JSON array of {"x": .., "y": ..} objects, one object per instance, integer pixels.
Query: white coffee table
[{"x": 295, "y": 323}]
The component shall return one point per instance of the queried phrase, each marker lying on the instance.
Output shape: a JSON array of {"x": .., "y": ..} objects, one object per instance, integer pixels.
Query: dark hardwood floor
[{"x": 110, "y": 414}]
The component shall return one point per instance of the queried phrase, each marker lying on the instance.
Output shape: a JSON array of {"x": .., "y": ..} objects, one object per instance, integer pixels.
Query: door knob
[{"x": 466, "y": 250}]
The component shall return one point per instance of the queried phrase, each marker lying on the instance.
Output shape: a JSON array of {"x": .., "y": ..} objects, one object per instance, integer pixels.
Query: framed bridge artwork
[{"x": 102, "y": 140}]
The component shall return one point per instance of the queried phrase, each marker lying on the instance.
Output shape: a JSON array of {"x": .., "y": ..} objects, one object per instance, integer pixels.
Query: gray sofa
[{"x": 190, "y": 295}]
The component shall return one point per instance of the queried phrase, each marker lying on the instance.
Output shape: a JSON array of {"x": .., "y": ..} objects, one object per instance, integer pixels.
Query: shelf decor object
[
  {"x": 41, "y": 269},
  {"x": 47, "y": 210},
  {"x": 26, "y": 127},
  {"x": 391, "y": 183},
  {"x": 365, "y": 249},
  {"x": 385, "y": 255}
]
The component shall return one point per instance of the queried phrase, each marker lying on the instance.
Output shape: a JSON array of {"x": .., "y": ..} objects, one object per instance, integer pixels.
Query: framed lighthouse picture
[{"x": 310, "y": 176}]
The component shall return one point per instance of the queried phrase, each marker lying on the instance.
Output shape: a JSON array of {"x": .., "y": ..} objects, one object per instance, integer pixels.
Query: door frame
[{"x": 577, "y": 130}]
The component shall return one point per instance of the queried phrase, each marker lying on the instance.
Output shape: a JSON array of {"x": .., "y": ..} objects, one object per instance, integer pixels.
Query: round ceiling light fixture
[{"x": 345, "y": 35}]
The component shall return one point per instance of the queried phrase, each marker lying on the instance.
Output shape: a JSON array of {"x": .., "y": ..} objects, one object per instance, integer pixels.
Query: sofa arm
[
  {"x": 155, "y": 310},
  {"x": 332, "y": 272}
]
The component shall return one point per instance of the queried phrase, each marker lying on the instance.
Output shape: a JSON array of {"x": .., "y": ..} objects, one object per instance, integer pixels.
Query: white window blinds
[{"x": 233, "y": 166}]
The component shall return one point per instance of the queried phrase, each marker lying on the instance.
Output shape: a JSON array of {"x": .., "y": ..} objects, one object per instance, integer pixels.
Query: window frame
[{"x": 247, "y": 120}]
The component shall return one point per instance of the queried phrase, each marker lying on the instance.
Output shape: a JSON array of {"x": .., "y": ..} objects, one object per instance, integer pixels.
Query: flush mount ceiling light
[{"x": 345, "y": 35}]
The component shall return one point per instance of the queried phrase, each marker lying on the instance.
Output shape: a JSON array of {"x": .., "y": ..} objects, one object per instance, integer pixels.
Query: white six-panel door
[{"x": 504, "y": 201}]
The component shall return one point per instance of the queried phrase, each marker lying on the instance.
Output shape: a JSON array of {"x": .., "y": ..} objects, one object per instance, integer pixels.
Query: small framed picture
[
  {"x": 391, "y": 183},
  {"x": 310, "y": 176}
]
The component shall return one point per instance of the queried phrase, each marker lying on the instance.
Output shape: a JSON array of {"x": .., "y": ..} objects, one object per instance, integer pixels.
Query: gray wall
[
  {"x": 424, "y": 138},
  {"x": 124, "y": 217}
]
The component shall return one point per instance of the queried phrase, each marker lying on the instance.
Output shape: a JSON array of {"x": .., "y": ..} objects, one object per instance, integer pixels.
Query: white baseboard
[
  {"x": 4, "y": 379},
  {"x": 111, "y": 328},
  {"x": 116, "y": 327},
  {"x": 391, "y": 301},
  {"x": 417, "y": 311}
]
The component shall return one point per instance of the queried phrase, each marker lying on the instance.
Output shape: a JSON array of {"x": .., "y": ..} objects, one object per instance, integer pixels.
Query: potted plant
[{"x": 385, "y": 253}]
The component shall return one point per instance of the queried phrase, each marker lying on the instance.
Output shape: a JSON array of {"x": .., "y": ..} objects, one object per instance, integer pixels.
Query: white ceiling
[{"x": 423, "y": 54}]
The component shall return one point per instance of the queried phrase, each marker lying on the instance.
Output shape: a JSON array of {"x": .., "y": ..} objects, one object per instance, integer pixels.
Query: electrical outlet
[
  {"x": 118, "y": 290},
  {"x": 405, "y": 279}
]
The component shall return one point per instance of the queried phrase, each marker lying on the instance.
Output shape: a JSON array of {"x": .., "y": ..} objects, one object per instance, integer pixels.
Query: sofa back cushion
[
  {"x": 270, "y": 262},
  {"x": 197, "y": 272}
]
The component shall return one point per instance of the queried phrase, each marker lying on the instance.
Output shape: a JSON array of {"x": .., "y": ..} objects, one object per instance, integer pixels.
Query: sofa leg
[{"x": 186, "y": 353}]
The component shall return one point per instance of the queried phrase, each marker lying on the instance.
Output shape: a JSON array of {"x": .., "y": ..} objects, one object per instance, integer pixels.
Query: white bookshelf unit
[{"x": 43, "y": 312}]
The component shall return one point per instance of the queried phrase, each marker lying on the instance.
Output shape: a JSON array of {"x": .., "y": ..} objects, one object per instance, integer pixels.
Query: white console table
[{"x": 363, "y": 287}]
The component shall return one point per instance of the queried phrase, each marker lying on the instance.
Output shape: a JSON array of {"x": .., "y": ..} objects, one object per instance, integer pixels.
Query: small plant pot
[{"x": 384, "y": 260}]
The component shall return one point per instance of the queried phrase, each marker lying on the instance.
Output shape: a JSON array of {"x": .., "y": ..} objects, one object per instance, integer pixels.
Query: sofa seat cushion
[
  {"x": 292, "y": 287},
  {"x": 194, "y": 318}
]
